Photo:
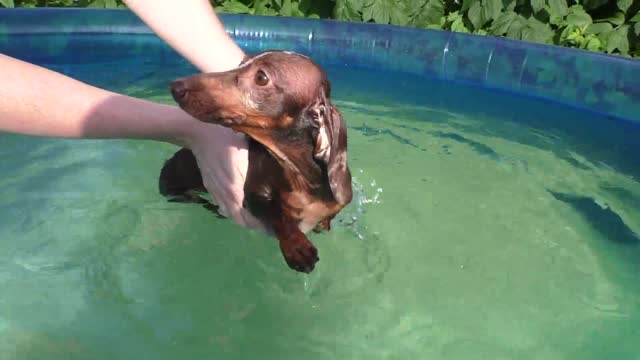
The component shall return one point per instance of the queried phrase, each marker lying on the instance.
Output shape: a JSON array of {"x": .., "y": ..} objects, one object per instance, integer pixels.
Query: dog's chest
[{"x": 307, "y": 209}]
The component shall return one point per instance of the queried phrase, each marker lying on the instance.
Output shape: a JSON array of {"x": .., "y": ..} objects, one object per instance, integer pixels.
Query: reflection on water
[{"x": 471, "y": 235}]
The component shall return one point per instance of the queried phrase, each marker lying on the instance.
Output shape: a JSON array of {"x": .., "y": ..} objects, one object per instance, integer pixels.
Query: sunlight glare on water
[{"x": 470, "y": 236}]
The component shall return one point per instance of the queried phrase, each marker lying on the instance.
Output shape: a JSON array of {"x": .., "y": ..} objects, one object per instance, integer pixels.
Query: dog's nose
[{"x": 179, "y": 90}]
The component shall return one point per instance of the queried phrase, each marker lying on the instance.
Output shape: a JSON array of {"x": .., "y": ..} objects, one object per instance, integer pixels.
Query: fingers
[
  {"x": 229, "y": 199},
  {"x": 244, "y": 218},
  {"x": 223, "y": 159},
  {"x": 239, "y": 214}
]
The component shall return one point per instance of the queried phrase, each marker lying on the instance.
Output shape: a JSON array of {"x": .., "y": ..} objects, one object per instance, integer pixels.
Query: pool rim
[{"x": 578, "y": 78}]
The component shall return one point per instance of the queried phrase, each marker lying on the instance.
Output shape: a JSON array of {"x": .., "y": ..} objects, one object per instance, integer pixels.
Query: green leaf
[
  {"x": 293, "y": 8},
  {"x": 458, "y": 26},
  {"x": 509, "y": 5},
  {"x": 537, "y": 5},
  {"x": 385, "y": 12},
  {"x": 398, "y": 15},
  {"x": 379, "y": 11},
  {"x": 287, "y": 8},
  {"x": 558, "y": 8},
  {"x": 529, "y": 34},
  {"x": 616, "y": 19},
  {"x": 96, "y": 4},
  {"x": 430, "y": 13},
  {"x": 599, "y": 28},
  {"x": 476, "y": 15},
  {"x": 515, "y": 30},
  {"x": 537, "y": 31},
  {"x": 110, "y": 4},
  {"x": 358, "y": 4},
  {"x": 578, "y": 17},
  {"x": 466, "y": 4},
  {"x": 453, "y": 16},
  {"x": 624, "y": 5},
  {"x": 260, "y": 7},
  {"x": 618, "y": 40},
  {"x": 594, "y": 44},
  {"x": 491, "y": 9},
  {"x": 567, "y": 33},
  {"x": 7, "y": 3},
  {"x": 265, "y": 11},
  {"x": 344, "y": 10},
  {"x": 636, "y": 18},
  {"x": 636, "y": 28},
  {"x": 502, "y": 24},
  {"x": 235, "y": 7}
]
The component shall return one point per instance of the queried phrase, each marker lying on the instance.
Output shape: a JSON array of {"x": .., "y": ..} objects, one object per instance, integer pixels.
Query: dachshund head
[{"x": 282, "y": 100}]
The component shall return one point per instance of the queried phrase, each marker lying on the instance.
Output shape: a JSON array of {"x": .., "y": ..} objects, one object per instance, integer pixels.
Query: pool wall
[{"x": 596, "y": 82}]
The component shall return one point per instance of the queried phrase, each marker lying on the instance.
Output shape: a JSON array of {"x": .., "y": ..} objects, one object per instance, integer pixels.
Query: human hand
[{"x": 223, "y": 159}]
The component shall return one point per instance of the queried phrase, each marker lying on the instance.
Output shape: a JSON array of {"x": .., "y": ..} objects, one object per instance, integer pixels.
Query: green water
[{"x": 470, "y": 237}]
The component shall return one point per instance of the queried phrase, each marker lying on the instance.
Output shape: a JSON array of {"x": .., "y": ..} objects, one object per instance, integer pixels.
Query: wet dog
[{"x": 298, "y": 177}]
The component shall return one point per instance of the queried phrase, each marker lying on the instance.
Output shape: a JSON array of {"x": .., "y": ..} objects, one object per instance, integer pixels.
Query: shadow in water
[
  {"x": 371, "y": 131},
  {"x": 480, "y": 148},
  {"x": 604, "y": 220}
]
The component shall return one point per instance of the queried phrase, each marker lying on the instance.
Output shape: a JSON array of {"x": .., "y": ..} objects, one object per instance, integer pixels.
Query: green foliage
[
  {"x": 107, "y": 4},
  {"x": 610, "y": 26},
  {"x": 597, "y": 25},
  {"x": 297, "y": 8}
]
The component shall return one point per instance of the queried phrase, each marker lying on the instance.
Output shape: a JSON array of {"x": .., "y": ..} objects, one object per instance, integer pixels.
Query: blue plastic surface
[{"x": 597, "y": 82}]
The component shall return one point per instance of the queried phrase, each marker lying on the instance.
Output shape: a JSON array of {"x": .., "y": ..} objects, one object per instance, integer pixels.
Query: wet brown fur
[{"x": 298, "y": 178}]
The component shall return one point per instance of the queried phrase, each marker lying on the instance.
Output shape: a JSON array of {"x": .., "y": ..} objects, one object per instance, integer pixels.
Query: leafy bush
[
  {"x": 610, "y": 26},
  {"x": 597, "y": 25},
  {"x": 109, "y": 4}
]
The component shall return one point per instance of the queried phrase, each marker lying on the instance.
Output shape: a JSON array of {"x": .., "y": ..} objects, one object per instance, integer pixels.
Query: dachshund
[{"x": 298, "y": 178}]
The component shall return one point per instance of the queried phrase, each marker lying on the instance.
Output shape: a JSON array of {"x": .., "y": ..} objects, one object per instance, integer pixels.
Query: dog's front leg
[{"x": 299, "y": 253}]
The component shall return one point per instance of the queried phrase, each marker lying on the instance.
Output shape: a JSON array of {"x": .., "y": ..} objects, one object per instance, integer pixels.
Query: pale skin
[{"x": 39, "y": 102}]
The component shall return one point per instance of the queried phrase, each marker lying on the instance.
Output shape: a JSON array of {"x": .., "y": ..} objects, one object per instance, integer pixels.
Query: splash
[{"x": 364, "y": 198}]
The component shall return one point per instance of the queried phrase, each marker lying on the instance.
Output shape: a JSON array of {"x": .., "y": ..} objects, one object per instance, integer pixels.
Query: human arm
[
  {"x": 39, "y": 102},
  {"x": 193, "y": 29},
  {"x": 46, "y": 103}
]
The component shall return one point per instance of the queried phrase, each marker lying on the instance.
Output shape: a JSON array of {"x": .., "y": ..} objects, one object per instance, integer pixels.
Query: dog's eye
[{"x": 261, "y": 78}]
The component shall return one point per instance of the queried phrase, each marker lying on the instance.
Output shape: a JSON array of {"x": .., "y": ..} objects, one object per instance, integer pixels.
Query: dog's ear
[
  {"x": 331, "y": 146},
  {"x": 245, "y": 58}
]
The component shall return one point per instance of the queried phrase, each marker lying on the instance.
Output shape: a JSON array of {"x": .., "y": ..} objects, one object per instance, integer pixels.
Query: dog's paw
[
  {"x": 300, "y": 254},
  {"x": 323, "y": 226}
]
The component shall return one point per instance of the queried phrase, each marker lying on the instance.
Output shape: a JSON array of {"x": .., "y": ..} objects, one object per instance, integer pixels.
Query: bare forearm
[
  {"x": 193, "y": 29},
  {"x": 40, "y": 102}
]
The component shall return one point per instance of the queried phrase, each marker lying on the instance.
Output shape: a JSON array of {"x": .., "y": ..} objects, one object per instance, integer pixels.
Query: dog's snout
[{"x": 179, "y": 90}]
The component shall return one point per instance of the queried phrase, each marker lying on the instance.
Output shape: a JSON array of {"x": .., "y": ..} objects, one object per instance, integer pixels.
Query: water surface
[{"x": 484, "y": 226}]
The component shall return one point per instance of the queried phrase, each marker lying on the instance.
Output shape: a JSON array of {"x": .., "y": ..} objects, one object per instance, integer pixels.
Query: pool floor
[{"x": 484, "y": 226}]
